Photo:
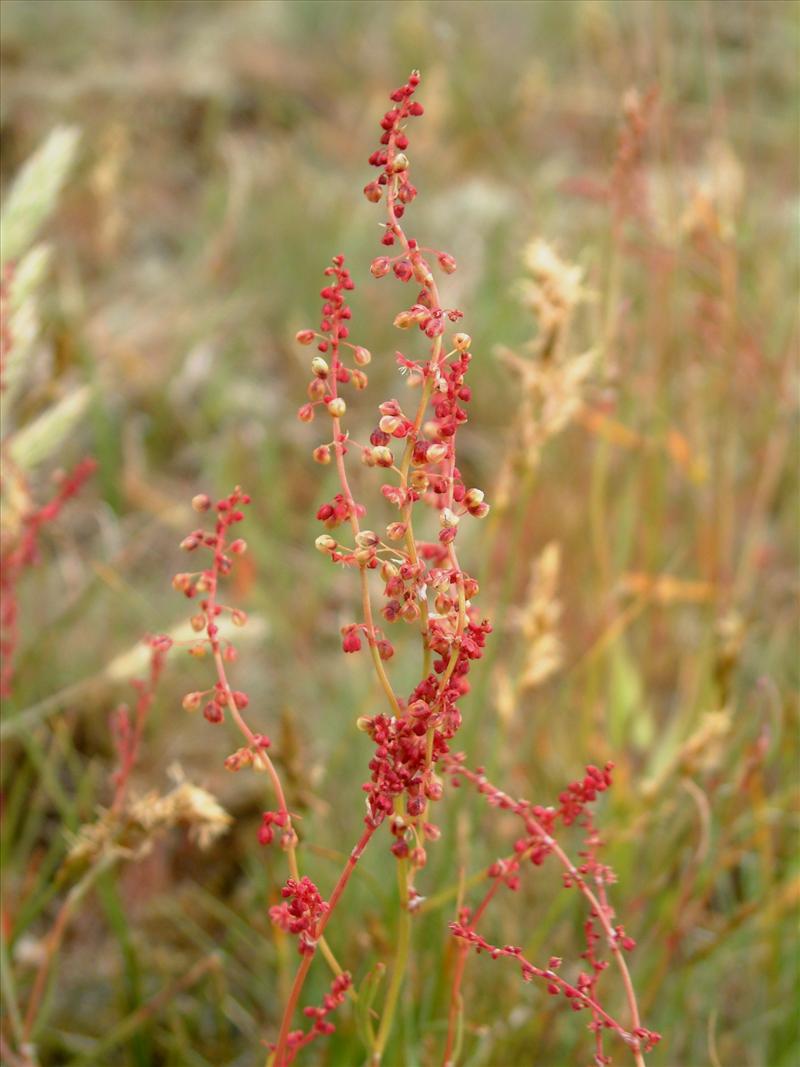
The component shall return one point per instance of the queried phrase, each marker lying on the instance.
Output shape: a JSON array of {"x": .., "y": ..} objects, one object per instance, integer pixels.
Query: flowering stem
[
  {"x": 613, "y": 941},
  {"x": 279, "y": 1057},
  {"x": 400, "y": 964}
]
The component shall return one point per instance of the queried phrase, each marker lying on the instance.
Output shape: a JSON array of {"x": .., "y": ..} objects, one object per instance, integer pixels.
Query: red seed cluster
[
  {"x": 578, "y": 995},
  {"x": 322, "y": 1026},
  {"x": 424, "y": 584},
  {"x": 204, "y": 584},
  {"x": 19, "y": 550},
  {"x": 300, "y": 912},
  {"x": 389, "y": 158}
]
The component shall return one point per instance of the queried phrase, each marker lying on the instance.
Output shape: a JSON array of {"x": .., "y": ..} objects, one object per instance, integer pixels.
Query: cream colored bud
[
  {"x": 474, "y": 497},
  {"x": 436, "y": 453},
  {"x": 337, "y": 407},
  {"x": 396, "y": 531},
  {"x": 389, "y": 423},
  {"x": 362, "y": 356},
  {"x": 201, "y": 502},
  {"x": 367, "y": 539},
  {"x": 399, "y": 163},
  {"x": 404, "y": 320},
  {"x": 462, "y": 341},
  {"x": 319, "y": 368},
  {"x": 448, "y": 518},
  {"x": 383, "y": 456},
  {"x": 389, "y": 570},
  {"x": 325, "y": 543}
]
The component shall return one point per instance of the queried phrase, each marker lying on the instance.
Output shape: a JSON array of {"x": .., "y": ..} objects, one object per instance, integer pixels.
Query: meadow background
[{"x": 222, "y": 154}]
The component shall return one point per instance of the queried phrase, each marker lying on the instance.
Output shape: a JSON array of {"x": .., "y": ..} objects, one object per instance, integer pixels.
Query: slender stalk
[
  {"x": 400, "y": 964},
  {"x": 56, "y": 936},
  {"x": 279, "y": 1056}
]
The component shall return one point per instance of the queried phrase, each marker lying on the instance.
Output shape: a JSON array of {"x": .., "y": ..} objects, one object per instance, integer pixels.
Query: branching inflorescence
[{"x": 423, "y": 585}]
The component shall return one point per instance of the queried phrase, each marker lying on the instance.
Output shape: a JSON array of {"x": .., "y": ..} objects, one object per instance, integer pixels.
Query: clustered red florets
[
  {"x": 205, "y": 583},
  {"x": 423, "y": 582},
  {"x": 300, "y": 912},
  {"x": 389, "y": 157},
  {"x": 322, "y": 1026},
  {"x": 19, "y": 550},
  {"x": 579, "y": 995},
  {"x": 590, "y": 877}
]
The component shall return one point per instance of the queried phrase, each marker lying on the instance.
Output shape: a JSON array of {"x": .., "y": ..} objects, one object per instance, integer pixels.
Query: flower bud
[
  {"x": 201, "y": 502},
  {"x": 448, "y": 519},
  {"x": 319, "y": 368},
  {"x": 305, "y": 337},
  {"x": 337, "y": 407},
  {"x": 238, "y": 617},
  {"x": 213, "y": 712},
  {"x": 306, "y": 413},
  {"x": 380, "y": 267},
  {"x": 389, "y": 423},
  {"x": 322, "y": 454},
  {"x": 362, "y": 356},
  {"x": 192, "y": 701},
  {"x": 396, "y": 531},
  {"x": 399, "y": 163},
  {"x": 383, "y": 456},
  {"x": 359, "y": 379},
  {"x": 447, "y": 263},
  {"x": 239, "y": 546},
  {"x": 367, "y": 539},
  {"x": 325, "y": 543},
  {"x": 372, "y": 191},
  {"x": 462, "y": 341},
  {"x": 404, "y": 320},
  {"x": 436, "y": 453}
]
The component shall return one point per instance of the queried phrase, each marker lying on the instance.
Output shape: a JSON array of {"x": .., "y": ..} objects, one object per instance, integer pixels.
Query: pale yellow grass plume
[
  {"x": 539, "y": 620},
  {"x": 130, "y": 833},
  {"x": 552, "y": 380}
]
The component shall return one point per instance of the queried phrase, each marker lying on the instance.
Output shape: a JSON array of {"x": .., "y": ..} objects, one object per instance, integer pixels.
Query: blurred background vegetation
[{"x": 221, "y": 158}]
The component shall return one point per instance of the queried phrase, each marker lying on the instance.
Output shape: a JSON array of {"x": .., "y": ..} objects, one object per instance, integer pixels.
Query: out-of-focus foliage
[{"x": 222, "y": 152}]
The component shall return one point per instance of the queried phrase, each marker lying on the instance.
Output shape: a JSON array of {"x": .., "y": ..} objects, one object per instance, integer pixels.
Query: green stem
[{"x": 400, "y": 965}]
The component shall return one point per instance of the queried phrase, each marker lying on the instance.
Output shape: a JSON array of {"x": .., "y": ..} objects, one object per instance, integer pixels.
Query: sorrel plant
[{"x": 422, "y": 584}]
